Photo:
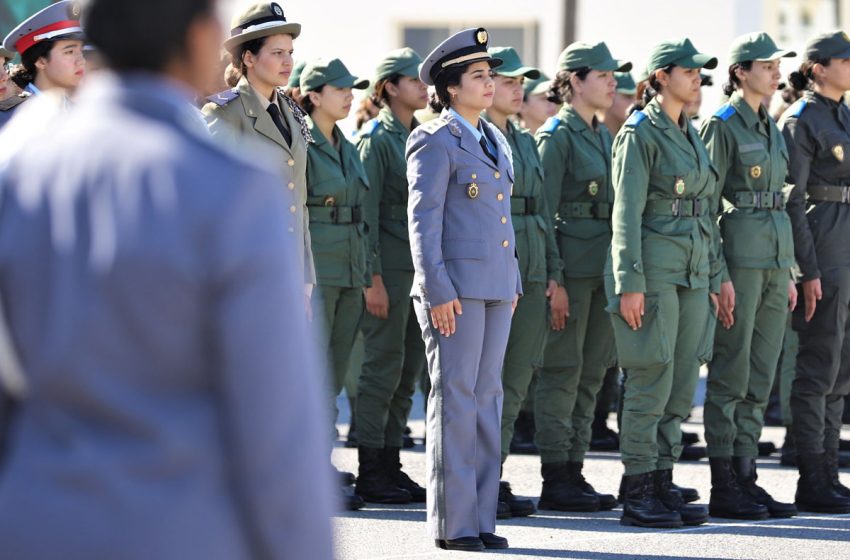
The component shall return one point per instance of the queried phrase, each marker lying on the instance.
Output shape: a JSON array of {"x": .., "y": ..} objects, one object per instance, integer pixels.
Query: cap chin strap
[
  {"x": 261, "y": 26},
  {"x": 466, "y": 58},
  {"x": 58, "y": 32}
]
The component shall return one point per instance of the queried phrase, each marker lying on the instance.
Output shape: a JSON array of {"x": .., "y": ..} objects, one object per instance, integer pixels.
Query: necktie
[
  {"x": 274, "y": 111},
  {"x": 486, "y": 149}
]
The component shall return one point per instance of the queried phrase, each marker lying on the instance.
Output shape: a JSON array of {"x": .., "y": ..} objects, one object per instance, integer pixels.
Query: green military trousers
[
  {"x": 786, "y": 369},
  {"x": 394, "y": 359},
  {"x": 574, "y": 365},
  {"x": 663, "y": 358},
  {"x": 523, "y": 355},
  {"x": 743, "y": 368},
  {"x": 339, "y": 310}
]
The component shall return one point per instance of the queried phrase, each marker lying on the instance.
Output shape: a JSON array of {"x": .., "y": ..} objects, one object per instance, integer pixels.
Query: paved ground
[{"x": 398, "y": 532}]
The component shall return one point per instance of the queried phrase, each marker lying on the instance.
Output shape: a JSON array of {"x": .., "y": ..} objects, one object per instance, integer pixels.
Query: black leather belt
[
  {"x": 761, "y": 200},
  {"x": 523, "y": 205},
  {"x": 677, "y": 207},
  {"x": 829, "y": 193},
  {"x": 594, "y": 210},
  {"x": 335, "y": 214}
]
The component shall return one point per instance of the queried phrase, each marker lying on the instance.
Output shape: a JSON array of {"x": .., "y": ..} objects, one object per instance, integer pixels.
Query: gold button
[
  {"x": 291, "y": 186},
  {"x": 293, "y": 209},
  {"x": 290, "y": 163},
  {"x": 497, "y": 175},
  {"x": 505, "y": 243},
  {"x": 504, "y": 220},
  {"x": 475, "y": 175},
  {"x": 500, "y": 196}
]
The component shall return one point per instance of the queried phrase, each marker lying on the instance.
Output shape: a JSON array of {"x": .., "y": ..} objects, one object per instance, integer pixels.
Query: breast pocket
[
  {"x": 673, "y": 178},
  {"x": 753, "y": 164},
  {"x": 590, "y": 177},
  {"x": 835, "y": 146}
]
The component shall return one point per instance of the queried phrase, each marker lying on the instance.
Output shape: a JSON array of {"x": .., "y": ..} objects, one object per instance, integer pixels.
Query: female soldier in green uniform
[
  {"x": 336, "y": 189},
  {"x": 539, "y": 263},
  {"x": 817, "y": 131},
  {"x": 575, "y": 149},
  {"x": 757, "y": 253},
  {"x": 394, "y": 354},
  {"x": 662, "y": 263}
]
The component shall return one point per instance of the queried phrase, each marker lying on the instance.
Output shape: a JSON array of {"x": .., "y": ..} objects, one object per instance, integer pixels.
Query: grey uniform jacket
[
  {"x": 149, "y": 286},
  {"x": 459, "y": 215},
  {"x": 237, "y": 114}
]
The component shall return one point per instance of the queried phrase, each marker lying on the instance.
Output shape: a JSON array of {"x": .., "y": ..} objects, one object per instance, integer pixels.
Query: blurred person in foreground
[{"x": 151, "y": 292}]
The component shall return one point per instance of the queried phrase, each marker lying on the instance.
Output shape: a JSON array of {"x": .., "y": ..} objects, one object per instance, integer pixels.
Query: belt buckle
[
  {"x": 677, "y": 207},
  {"x": 330, "y": 201},
  {"x": 767, "y": 199},
  {"x": 845, "y": 195}
]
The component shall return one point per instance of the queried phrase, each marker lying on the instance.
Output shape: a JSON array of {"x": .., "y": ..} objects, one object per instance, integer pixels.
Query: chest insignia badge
[
  {"x": 838, "y": 152},
  {"x": 593, "y": 188},
  {"x": 472, "y": 191},
  {"x": 680, "y": 186},
  {"x": 755, "y": 171}
]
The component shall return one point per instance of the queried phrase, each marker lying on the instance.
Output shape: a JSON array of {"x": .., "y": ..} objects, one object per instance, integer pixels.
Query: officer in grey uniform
[
  {"x": 155, "y": 325},
  {"x": 466, "y": 283}
]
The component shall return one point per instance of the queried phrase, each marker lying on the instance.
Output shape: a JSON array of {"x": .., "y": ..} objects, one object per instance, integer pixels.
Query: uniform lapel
[
  {"x": 467, "y": 141},
  {"x": 254, "y": 108}
]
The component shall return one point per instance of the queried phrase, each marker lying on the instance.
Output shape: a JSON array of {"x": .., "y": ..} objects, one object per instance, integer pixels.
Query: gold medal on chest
[
  {"x": 838, "y": 152},
  {"x": 755, "y": 171},
  {"x": 680, "y": 186},
  {"x": 593, "y": 188},
  {"x": 472, "y": 190}
]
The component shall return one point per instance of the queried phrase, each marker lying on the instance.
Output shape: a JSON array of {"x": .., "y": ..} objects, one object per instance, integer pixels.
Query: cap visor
[
  {"x": 777, "y": 54},
  {"x": 349, "y": 81},
  {"x": 697, "y": 61},
  {"x": 842, "y": 54},
  {"x": 527, "y": 71},
  {"x": 293, "y": 29}
]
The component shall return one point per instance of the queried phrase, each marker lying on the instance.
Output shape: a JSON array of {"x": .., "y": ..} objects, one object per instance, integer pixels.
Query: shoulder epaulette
[
  {"x": 798, "y": 107},
  {"x": 223, "y": 98},
  {"x": 550, "y": 125},
  {"x": 725, "y": 112},
  {"x": 433, "y": 125},
  {"x": 370, "y": 127},
  {"x": 12, "y": 102},
  {"x": 635, "y": 119}
]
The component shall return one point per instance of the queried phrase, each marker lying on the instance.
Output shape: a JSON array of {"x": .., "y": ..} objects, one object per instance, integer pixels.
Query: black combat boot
[
  {"x": 814, "y": 490},
  {"x": 746, "y": 475},
  {"x": 561, "y": 492},
  {"x": 830, "y": 460},
  {"x": 519, "y": 507},
  {"x": 641, "y": 506},
  {"x": 688, "y": 494},
  {"x": 522, "y": 442},
  {"x": 728, "y": 499},
  {"x": 373, "y": 482},
  {"x": 606, "y": 501},
  {"x": 392, "y": 464},
  {"x": 603, "y": 438},
  {"x": 672, "y": 499}
]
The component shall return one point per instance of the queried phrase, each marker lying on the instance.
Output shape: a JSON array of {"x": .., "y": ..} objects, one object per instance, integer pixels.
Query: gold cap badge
[
  {"x": 838, "y": 152},
  {"x": 481, "y": 37},
  {"x": 755, "y": 171}
]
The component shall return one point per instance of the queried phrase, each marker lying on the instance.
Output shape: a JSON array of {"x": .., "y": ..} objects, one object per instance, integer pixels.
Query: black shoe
[
  {"x": 603, "y": 438},
  {"x": 373, "y": 483},
  {"x": 641, "y": 506},
  {"x": 688, "y": 494},
  {"x": 692, "y": 453},
  {"x": 690, "y": 438},
  {"x": 392, "y": 464},
  {"x": 408, "y": 442},
  {"x": 606, "y": 501},
  {"x": 345, "y": 478},
  {"x": 773, "y": 412},
  {"x": 814, "y": 489},
  {"x": 352, "y": 502},
  {"x": 503, "y": 510},
  {"x": 728, "y": 499},
  {"x": 469, "y": 544},
  {"x": 672, "y": 499},
  {"x": 746, "y": 475},
  {"x": 831, "y": 468},
  {"x": 562, "y": 493},
  {"x": 522, "y": 442},
  {"x": 492, "y": 540},
  {"x": 520, "y": 507},
  {"x": 844, "y": 445},
  {"x": 766, "y": 448}
]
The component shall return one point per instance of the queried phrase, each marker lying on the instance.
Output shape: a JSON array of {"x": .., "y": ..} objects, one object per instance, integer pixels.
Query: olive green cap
[
  {"x": 511, "y": 64},
  {"x": 404, "y": 61},
  {"x": 538, "y": 86},
  {"x": 756, "y": 46},
  {"x": 625, "y": 83},
  {"x": 260, "y": 20},
  {"x": 834, "y": 44},
  {"x": 681, "y": 53},
  {"x": 596, "y": 57},
  {"x": 295, "y": 77},
  {"x": 323, "y": 71}
]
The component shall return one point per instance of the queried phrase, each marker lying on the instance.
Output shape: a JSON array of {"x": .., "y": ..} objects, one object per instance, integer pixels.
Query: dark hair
[
  {"x": 306, "y": 104},
  {"x": 237, "y": 67},
  {"x": 802, "y": 79},
  {"x": 441, "y": 98},
  {"x": 380, "y": 97},
  {"x": 734, "y": 82},
  {"x": 28, "y": 70},
  {"x": 19, "y": 75},
  {"x": 155, "y": 32},
  {"x": 366, "y": 111},
  {"x": 561, "y": 90},
  {"x": 649, "y": 88}
]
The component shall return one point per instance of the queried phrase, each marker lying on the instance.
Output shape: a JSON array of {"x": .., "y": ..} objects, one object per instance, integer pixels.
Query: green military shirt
[
  {"x": 336, "y": 190},
  {"x": 577, "y": 181},
  {"x": 660, "y": 169},
  {"x": 535, "y": 239},
  {"x": 381, "y": 143},
  {"x": 751, "y": 160}
]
